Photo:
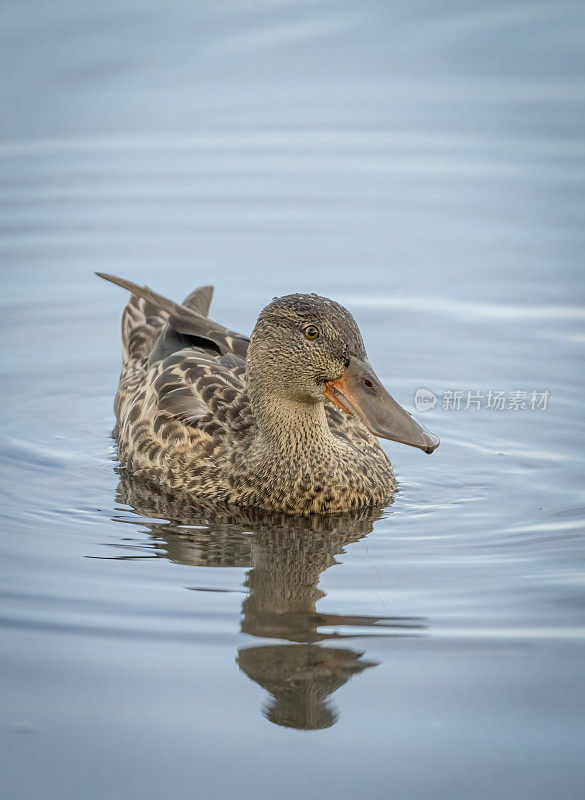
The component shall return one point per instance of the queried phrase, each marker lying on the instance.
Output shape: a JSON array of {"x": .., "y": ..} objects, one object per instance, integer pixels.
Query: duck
[{"x": 284, "y": 421}]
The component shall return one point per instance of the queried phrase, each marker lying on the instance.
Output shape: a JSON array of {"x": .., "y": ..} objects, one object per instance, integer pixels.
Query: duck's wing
[
  {"x": 201, "y": 388},
  {"x": 169, "y": 341},
  {"x": 192, "y": 399},
  {"x": 187, "y": 320}
]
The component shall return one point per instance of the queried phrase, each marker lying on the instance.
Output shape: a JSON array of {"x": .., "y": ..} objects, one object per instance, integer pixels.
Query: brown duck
[{"x": 285, "y": 421}]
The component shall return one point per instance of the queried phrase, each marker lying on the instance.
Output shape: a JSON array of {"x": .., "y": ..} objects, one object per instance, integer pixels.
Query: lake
[{"x": 422, "y": 164}]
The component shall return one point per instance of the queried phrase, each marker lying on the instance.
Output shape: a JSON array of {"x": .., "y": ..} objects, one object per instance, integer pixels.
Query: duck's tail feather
[
  {"x": 187, "y": 320},
  {"x": 200, "y": 300},
  {"x": 169, "y": 307}
]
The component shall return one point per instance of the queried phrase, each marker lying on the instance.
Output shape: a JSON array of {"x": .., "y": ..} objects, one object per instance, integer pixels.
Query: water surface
[{"x": 424, "y": 166}]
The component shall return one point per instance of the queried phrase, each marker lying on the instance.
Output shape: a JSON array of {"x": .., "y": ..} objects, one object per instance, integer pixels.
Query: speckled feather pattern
[{"x": 205, "y": 422}]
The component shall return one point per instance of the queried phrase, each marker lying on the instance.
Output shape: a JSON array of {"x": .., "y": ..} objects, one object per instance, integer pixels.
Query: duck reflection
[{"x": 286, "y": 556}]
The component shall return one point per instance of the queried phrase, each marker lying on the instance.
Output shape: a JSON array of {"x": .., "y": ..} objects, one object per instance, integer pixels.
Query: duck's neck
[
  {"x": 291, "y": 428},
  {"x": 296, "y": 464}
]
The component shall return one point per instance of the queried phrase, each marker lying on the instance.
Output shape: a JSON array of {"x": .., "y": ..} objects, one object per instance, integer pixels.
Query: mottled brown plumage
[{"x": 246, "y": 423}]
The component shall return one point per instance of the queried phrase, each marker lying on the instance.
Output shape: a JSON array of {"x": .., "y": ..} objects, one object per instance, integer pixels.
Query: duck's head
[{"x": 306, "y": 348}]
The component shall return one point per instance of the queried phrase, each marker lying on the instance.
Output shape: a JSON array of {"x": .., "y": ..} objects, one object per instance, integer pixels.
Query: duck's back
[
  {"x": 148, "y": 338},
  {"x": 181, "y": 390}
]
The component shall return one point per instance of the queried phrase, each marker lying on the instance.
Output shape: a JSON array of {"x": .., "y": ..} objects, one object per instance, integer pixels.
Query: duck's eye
[{"x": 311, "y": 332}]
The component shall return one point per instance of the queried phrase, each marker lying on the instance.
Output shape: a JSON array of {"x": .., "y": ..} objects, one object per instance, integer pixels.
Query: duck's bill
[{"x": 359, "y": 391}]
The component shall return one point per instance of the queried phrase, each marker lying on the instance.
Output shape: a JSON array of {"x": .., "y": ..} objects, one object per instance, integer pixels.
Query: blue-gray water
[{"x": 423, "y": 163}]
